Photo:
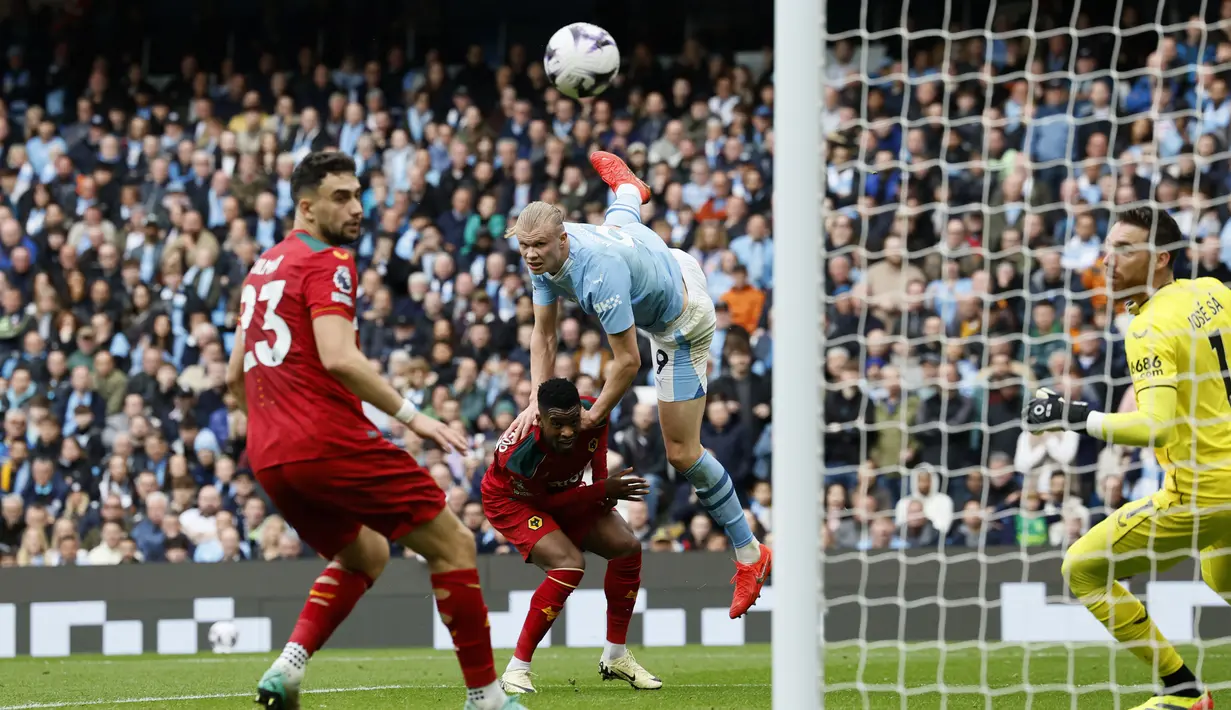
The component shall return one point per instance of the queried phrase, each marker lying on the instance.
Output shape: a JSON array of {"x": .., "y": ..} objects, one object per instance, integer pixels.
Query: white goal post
[{"x": 798, "y": 352}]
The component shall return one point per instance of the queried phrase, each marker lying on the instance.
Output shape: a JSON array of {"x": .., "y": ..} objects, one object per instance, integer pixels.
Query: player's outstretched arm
[
  {"x": 1153, "y": 424},
  {"x": 543, "y": 342},
  {"x": 235, "y": 372},
  {"x": 622, "y": 486},
  {"x": 335, "y": 344},
  {"x": 1151, "y": 350},
  {"x": 627, "y": 361}
]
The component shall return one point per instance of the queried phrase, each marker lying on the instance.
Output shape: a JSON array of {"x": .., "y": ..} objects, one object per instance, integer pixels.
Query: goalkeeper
[{"x": 1177, "y": 353}]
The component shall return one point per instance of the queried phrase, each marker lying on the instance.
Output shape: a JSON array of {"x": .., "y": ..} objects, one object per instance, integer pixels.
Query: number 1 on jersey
[
  {"x": 262, "y": 352},
  {"x": 1220, "y": 349}
]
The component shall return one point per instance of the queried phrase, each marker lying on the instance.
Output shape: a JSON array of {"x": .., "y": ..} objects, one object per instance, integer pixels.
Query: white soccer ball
[
  {"x": 581, "y": 60},
  {"x": 223, "y": 636}
]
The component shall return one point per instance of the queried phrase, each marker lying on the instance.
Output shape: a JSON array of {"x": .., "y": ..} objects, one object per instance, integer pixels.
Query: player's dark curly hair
[
  {"x": 558, "y": 393},
  {"x": 313, "y": 169},
  {"x": 1165, "y": 234}
]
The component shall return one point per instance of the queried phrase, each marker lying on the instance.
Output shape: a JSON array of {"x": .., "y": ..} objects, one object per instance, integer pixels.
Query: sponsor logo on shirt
[
  {"x": 341, "y": 298},
  {"x": 565, "y": 484},
  {"x": 606, "y": 305}
]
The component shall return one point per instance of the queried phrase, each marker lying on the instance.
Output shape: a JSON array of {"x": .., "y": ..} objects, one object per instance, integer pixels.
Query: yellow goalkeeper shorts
[{"x": 1154, "y": 534}]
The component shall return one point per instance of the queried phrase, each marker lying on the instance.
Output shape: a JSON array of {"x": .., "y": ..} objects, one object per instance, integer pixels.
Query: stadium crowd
[{"x": 963, "y": 271}]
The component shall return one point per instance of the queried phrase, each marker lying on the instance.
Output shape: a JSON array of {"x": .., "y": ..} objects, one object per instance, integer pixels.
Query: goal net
[{"x": 973, "y": 157}]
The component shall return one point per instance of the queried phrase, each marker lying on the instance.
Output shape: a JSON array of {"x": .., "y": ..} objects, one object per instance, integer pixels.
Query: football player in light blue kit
[{"x": 623, "y": 273}]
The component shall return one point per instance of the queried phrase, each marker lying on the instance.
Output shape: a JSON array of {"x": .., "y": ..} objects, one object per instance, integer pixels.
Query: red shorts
[
  {"x": 523, "y": 525},
  {"x": 328, "y": 500}
]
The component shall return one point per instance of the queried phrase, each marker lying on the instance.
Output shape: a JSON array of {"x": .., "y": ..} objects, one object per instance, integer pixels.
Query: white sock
[
  {"x": 489, "y": 697},
  {"x": 293, "y": 656},
  {"x": 612, "y": 651},
  {"x": 630, "y": 190},
  {"x": 748, "y": 553},
  {"x": 516, "y": 664}
]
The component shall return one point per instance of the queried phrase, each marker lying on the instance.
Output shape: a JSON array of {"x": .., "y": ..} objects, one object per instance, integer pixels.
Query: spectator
[
  {"x": 148, "y": 533},
  {"x": 108, "y": 552},
  {"x": 200, "y": 523},
  {"x": 12, "y": 520},
  {"x": 925, "y": 488}
]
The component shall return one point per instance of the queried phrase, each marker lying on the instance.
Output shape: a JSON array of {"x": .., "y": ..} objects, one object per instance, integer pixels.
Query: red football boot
[
  {"x": 748, "y": 581},
  {"x": 615, "y": 173}
]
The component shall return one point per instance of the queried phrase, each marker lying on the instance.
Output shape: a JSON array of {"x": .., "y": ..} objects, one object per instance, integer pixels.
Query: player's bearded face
[
  {"x": 337, "y": 211},
  {"x": 1128, "y": 262}
]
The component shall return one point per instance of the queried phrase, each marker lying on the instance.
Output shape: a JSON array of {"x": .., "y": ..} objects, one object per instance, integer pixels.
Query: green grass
[{"x": 695, "y": 677}]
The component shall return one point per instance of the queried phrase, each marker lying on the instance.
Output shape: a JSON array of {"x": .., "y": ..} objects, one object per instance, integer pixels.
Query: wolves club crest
[
  {"x": 535, "y": 523},
  {"x": 593, "y": 445}
]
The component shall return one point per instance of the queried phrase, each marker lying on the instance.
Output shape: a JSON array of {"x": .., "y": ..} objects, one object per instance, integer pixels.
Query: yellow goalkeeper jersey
[{"x": 1177, "y": 348}]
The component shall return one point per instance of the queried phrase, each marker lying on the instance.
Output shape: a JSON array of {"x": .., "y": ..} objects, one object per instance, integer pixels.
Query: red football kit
[
  {"x": 324, "y": 464},
  {"x": 531, "y": 490}
]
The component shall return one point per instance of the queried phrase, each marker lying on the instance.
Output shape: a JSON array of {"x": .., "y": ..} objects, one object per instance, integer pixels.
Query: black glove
[{"x": 1048, "y": 411}]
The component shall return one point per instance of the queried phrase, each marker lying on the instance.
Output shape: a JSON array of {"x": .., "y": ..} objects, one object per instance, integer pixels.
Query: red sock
[
  {"x": 330, "y": 601},
  {"x": 460, "y": 603},
  {"x": 621, "y": 584},
  {"x": 545, "y": 606}
]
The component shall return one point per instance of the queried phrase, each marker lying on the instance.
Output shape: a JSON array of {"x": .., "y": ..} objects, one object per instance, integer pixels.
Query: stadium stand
[{"x": 133, "y": 207}]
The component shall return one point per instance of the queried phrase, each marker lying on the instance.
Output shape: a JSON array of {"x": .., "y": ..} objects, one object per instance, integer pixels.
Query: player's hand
[
  {"x": 439, "y": 432},
  {"x": 528, "y": 418},
  {"x": 1048, "y": 412},
  {"x": 622, "y": 486},
  {"x": 591, "y": 420}
]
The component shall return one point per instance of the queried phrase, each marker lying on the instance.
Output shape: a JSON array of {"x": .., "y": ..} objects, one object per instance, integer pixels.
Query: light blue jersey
[{"x": 625, "y": 275}]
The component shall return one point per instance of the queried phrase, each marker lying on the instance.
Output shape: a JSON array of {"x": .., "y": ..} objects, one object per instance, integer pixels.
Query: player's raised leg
[
  {"x": 631, "y": 192},
  {"x": 565, "y": 565},
  {"x": 611, "y": 538},
  {"x": 1118, "y": 548},
  {"x": 449, "y": 548}
]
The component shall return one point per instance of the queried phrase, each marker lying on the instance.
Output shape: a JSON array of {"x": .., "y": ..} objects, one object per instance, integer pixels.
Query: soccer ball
[
  {"x": 581, "y": 60},
  {"x": 223, "y": 636}
]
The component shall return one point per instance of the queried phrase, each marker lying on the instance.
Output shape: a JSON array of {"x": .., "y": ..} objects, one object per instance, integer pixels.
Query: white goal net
[{"x": 972, "y": 160}]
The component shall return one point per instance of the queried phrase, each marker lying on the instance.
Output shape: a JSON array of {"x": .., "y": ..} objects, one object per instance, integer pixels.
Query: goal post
[{"x": 799, "y": 31}]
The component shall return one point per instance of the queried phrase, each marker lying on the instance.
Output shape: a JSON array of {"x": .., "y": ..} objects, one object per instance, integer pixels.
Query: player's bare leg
[
  {"x": 681, "y": 425},
  {"x": 564, "y": 564},
  {"x": 449, "y": 548},
  {"x": 612, "y": 539},
  {"x": 331, "y": 599}
]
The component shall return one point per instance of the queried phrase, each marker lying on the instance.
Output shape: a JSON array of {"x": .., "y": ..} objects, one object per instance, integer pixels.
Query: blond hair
[{"x": 537, "y": 216}]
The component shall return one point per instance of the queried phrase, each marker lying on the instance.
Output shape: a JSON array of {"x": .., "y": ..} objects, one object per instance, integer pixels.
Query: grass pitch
[{"x": 695, "y": 678}]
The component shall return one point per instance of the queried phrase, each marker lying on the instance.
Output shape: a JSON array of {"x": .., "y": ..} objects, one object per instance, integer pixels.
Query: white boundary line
[
  {"x": 210, "y": 696},
  {"x": 357, "y": 689}
]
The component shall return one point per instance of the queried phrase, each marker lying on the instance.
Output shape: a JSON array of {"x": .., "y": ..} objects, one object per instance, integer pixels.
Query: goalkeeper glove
[{"x": 1048, "y": 412}]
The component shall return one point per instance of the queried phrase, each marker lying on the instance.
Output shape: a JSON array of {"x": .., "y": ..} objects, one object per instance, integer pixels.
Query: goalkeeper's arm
[{"x": 1153, "y": 424}]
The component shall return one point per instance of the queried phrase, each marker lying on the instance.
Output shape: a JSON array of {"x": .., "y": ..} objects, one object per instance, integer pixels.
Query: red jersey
[
  {"x": 529, "y": 469},
  {"x": 297, "y": 411}
]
